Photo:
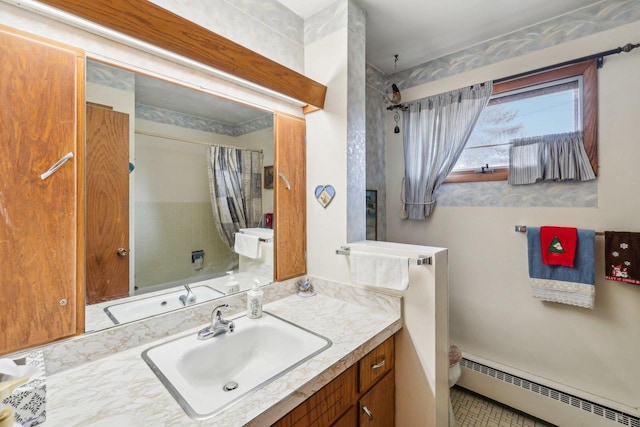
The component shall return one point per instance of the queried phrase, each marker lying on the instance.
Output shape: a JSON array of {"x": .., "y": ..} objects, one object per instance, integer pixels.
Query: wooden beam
[{"x": 150, "y": 23}]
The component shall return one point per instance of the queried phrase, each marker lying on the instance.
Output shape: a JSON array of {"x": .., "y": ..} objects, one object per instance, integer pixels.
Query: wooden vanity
[{"x": 363, "y": 395}]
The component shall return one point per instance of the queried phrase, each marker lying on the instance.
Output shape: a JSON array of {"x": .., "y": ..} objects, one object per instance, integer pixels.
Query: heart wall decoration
[{"x": 325, "y": 194}]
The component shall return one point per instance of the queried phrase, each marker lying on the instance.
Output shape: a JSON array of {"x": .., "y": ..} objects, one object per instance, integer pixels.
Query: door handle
[
  {"x": 286, "y": 181},
  {"x": 123, "y": 252},
  {"x": 57, "y": 165}
]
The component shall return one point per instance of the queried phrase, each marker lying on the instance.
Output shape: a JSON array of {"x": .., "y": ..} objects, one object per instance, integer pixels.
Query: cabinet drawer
[
  {"x": 325, "y": 405},
  {"x": 375, "y": 364}
]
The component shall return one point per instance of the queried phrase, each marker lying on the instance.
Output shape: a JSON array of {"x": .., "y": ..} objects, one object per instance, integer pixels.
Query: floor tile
[{"x": 473, "y": 410}]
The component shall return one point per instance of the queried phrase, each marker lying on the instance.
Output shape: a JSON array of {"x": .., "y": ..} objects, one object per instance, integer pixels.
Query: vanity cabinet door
[
  {"x": 377, "y": 407},
  {"x": 41, "y": 236},
  {"x": 289, "y": 196}
]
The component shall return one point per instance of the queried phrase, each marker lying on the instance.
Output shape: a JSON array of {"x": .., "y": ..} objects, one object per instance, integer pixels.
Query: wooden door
[
  {"x": 107, "y": 204},
  {"x": 377, "y": 407},
  {"x": 41, "y": 220},
  {"x": 290, "y": 197}
]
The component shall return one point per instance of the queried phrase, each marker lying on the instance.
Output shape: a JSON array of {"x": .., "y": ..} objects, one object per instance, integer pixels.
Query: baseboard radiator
[{"x": 546, "y": 403}]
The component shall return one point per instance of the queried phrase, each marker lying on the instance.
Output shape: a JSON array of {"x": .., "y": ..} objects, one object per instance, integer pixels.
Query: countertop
[{"x": 121, "y": 390}]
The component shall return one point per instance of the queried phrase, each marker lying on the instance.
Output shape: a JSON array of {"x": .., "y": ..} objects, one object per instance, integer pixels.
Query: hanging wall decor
[
  {"x": 324, "y": 194},
  {"x": 372, "y": 214}
]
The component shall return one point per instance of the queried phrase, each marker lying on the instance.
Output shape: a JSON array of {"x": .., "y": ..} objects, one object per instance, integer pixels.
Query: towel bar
[
  {"x": 523, "y": 229},
  {"x": 421, "y": 260},
  {"x": 262, "y": 239}
]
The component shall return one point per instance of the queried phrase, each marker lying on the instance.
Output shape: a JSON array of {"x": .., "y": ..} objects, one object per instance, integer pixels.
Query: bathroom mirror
[{"x": 164, "y": 234}]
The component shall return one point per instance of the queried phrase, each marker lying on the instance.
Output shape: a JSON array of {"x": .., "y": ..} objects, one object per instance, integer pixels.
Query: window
[{"x": 556, "y": 101}]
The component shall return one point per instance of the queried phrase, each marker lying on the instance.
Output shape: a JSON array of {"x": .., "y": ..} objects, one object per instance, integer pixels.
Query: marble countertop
[{"x": 122, "y": 390}]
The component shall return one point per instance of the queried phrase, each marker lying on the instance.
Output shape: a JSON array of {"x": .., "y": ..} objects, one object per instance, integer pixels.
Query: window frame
[{"x": 588, "y": 71}]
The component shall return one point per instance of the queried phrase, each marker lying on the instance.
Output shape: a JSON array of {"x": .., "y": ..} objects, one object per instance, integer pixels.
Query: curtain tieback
[{"x": 403, "y": 198}]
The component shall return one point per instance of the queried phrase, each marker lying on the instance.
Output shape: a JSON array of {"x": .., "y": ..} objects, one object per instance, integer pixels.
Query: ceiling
[
  {"x": 173, "y": 97},
  {"x": 422, "y": 30}
]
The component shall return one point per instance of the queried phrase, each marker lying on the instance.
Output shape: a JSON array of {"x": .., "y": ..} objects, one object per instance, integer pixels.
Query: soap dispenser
[
  {"x": 232, "y": 286},
  {"x": 254, "y": 301}
]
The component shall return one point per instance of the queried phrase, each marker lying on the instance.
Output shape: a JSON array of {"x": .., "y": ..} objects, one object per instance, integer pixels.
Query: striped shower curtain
[
  {"x": 235, "y": 184},
  {"x": 436, "y": 129}
]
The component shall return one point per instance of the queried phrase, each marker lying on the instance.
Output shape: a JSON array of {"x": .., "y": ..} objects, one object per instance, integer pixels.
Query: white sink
[
  {"x": 157, "y": 304},
  {"x": 208, "y": 376}
]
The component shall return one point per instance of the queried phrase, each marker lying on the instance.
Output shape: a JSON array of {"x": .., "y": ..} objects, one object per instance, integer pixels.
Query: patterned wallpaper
[
  {"x": 375, "y": 150},
  {"x": 106, "y": 75},
  {"x": 125, "y": 80},
  {"x": 168, "y": 117},
  {"x": 327, "y": 21},
  {"x": 593, "y": 19},
  {"x": 356, "y": 124},
  {"x": 499, "y": 193}
]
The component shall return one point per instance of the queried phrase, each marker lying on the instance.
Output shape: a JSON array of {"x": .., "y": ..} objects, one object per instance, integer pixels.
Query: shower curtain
[{"x": 235, "y": 183}]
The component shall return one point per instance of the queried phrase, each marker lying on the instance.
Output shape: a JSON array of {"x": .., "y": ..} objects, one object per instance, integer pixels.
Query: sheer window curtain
[
  {"x": 235, "y": 183},
  {"x": 436, "y": 130}
]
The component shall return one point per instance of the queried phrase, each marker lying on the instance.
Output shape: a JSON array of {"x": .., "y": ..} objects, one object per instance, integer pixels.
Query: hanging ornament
[{"x": 396, "y": 118}]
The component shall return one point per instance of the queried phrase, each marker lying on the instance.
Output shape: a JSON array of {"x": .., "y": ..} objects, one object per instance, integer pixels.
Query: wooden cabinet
[
  {"x": 375, "y": 364},
  {"x": 348, "y": 419},
  {"x": 42, "y": 232},
  {"x": 290, "y": 231},
  {"x": 377, "y": 406},
  {"x": 326, "y": 405},
  {"x": 363, "y": 395}
]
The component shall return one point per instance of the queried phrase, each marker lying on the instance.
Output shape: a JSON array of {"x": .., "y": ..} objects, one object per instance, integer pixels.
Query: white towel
[
  {"x": 386, "y": 271},
  {"x": 247, "y": 245}
]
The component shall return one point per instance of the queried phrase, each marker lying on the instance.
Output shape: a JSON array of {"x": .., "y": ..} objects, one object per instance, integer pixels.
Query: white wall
[
  {"x": 492, "y": 313},
  {"x": 326, "y": 62}
]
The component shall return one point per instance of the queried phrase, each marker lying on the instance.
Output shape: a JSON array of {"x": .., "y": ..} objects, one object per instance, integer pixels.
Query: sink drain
[{"x": 231, "y": 385}]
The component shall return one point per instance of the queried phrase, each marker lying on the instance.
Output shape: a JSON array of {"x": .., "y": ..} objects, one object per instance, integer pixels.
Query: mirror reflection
[{"x": 177, "y": 209}]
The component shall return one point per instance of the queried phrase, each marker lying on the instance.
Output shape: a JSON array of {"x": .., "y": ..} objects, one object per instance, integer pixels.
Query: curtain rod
[
  {"x": 192, "y": 141},
  {"x": 598, "y": 56}
]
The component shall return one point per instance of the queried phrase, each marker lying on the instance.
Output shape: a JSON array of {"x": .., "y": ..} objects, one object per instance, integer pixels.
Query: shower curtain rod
[{"x": 191, "y": 141}]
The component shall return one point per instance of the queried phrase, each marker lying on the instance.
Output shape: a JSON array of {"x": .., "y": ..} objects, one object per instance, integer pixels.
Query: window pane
[{"x": 539, "y": 110}]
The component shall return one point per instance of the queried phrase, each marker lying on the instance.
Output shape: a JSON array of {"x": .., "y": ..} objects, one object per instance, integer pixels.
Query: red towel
[{"x": 558, "y": 245}]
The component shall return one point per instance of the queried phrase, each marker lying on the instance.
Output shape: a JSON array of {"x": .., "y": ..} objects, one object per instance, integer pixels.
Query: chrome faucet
[
  {"x": 218, "y": 324},
  {"x": 189, "y": 298}
]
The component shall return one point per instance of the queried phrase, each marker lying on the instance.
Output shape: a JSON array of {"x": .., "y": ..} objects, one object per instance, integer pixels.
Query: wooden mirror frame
[{"x": 150, "y": 23}]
